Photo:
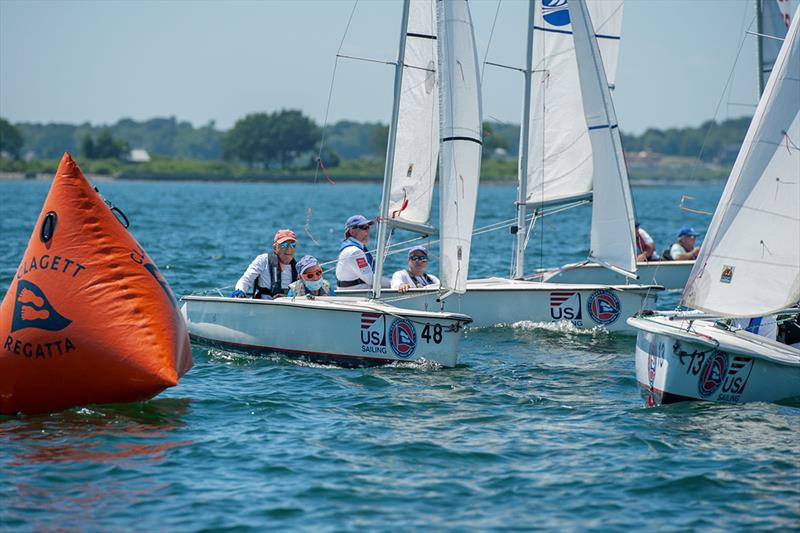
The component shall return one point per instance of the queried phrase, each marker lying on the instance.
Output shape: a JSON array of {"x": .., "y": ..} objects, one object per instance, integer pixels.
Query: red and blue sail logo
[
  {"x": 652, "y": 359},
  {"x": 33, "y": 310},
  {"x": 555, "y": 12},
  {"x": 403, "y": 338},
  {"x": 712, "y": 374},
  {"x": 604, "y": 307}
]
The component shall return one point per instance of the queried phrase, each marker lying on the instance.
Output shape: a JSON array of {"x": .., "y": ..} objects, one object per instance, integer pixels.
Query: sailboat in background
[
  {"x": 561, "y": 167},
  {"x": 358, "y": 331},
  {"x": 495, "y": 301},
  {"x": 748, "y": 267}
]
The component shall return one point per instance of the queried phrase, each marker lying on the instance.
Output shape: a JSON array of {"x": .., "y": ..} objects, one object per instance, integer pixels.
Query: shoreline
[{"x": 310, "y": 180}]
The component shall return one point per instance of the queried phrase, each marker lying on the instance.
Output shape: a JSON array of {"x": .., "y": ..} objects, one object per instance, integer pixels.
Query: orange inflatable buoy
[{"x": 88, "y": 317}]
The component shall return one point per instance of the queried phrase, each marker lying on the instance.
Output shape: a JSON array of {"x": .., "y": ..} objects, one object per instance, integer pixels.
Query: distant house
[{"x": 139, "y": 155}]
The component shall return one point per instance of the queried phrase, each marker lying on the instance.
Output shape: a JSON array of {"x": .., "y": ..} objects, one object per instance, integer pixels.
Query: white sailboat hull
[
  {"x": 711, "y": 364},
  {"x": 343, "y": 331},
  {"x": 497, "y": 301},
  {"x": 672, "y": 275}
]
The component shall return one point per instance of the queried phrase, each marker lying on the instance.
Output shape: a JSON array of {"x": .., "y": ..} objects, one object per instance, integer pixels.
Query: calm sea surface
[{"x": 535, "y": 429}]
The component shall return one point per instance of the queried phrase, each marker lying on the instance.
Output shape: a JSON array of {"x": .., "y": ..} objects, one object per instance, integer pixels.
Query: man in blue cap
[
  {"x": 354, "y": 269},
  {"x": 685, "y": 249}
]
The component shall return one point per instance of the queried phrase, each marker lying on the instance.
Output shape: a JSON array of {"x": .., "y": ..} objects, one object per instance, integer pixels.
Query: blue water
[{"x": 535, "y": 429}]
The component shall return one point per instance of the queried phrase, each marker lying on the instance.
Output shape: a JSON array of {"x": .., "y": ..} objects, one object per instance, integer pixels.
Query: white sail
[
  {"x": 749, "y": 263},
  {"x": 559, "y": 150},
  {"x": 417, "y": 141},
  {"x": 612, "y": 208},
  {"x": 461, "y": 140},
  {"x": 775, "y": 19}
]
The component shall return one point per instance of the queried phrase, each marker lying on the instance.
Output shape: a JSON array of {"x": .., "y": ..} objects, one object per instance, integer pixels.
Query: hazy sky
[{"x": 75, "y": 61}]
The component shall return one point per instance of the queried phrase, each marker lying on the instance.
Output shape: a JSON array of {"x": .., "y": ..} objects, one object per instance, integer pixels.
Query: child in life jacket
[{"x": 310, "y": 282}]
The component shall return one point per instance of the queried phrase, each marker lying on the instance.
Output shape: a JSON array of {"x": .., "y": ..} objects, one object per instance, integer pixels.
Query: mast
[
  {"x": 522, "y": 190},
  {"x": 759, "y": 47},
  {"x": 387, "y": 172}
]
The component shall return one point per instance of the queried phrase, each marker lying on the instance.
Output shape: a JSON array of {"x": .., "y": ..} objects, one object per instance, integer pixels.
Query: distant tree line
[{"x": 289, "y": 139}]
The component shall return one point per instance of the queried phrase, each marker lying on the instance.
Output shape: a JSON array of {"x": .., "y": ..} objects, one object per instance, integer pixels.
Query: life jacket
[
  {"x": 347, "y": 243},
  {"x": 425, "y": 276},
  {"x": 275, "y": 275}
]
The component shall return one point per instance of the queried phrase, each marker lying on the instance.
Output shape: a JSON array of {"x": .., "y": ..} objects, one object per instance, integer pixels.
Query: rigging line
[
  {"x": 489, "y": 43},
  {"x": 330, "y": 91},
  {"x": 716, "y": 111}
]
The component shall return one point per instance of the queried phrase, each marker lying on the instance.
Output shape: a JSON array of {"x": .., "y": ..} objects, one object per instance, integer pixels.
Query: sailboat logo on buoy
[
  {"x": 33, "y": 310},
  {"x": 403, "y": 338},
  {"x": 555, "y": 12}
]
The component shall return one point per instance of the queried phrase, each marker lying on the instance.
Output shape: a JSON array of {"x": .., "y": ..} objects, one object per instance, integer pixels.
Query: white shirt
[
  {"x": 648, "y": 240},
  {"x": 353, "y": 265},
  {"x": 259, "y": 268},
  {"x": 676, "y": 250},
  {"x": 402, "y": 276}
]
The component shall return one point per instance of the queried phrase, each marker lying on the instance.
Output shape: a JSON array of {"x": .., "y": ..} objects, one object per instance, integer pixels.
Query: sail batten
[
  {"x": 749, "y": 263},
  {"x": 461, "y": 128}
]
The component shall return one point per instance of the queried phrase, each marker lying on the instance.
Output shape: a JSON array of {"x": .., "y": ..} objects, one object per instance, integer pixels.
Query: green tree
[
  {"x": 268, "y": 138},
  {"x": 10, "y": 139},
  {"x": 249, "y": 140},
  {"x": 87, "y": 147},
  {"x": 107, "y": 147},
  {"x": 378, "y": 139}
]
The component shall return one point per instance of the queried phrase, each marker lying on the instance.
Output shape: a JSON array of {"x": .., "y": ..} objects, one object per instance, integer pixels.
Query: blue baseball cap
[
  {"x": 687, "y": 230},
  {"x": 357, "y": 220},
  {"x": 305, "y": 263}
]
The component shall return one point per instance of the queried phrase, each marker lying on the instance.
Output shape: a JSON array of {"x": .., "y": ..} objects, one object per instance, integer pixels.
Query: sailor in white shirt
[
  {"x": 354, "y": 268},
  {"x": 414, "y": 275},
  {"x": 270, "y": 274},
  {"x": 645, "y": 245}
]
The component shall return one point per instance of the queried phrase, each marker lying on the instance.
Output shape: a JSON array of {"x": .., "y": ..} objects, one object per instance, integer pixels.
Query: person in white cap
[
  {"x": 414, "y": 275},
  {"x": 354, "y": 268},
  {"x": 270, "y": 274}
]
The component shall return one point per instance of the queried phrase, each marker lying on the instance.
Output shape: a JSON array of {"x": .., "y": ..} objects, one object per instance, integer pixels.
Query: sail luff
[
  {"x": 416, "y": 146},
  {"x": 749, "y": 263},
  {"x": 390, "y": 147},
  {"x": 461, "y": 140},
  {"x": 612, "y": 209}
]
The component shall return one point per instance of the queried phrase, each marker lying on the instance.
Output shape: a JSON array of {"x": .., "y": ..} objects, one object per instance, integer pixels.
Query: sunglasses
[
  {"x": 364, "y": 227},
  {"x": 288, "y": 244},
  {"x": 418, "y": 258},
  {"x": 316, "y": 274}
]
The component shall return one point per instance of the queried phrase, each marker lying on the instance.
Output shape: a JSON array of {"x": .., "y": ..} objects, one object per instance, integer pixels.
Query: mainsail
[
  {"x": 774, "y": 18},
  {"x": 559, "y": 164},
  {"x": 417, "y": 141},
  {"x": 749, "y": 263},
  {"x": 612, "y": 208},
  {"x": 461, "y": 140}
]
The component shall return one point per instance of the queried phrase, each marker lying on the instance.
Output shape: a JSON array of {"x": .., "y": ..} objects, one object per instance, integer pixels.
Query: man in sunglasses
[
  {"x": 311, "y": 282},
  {"x": 414, "y": 275},
  {"x": 354, "y": 269},
  {"x": 270, "y": 274}
]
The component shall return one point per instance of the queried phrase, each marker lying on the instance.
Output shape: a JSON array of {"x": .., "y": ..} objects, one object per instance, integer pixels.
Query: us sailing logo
[
  {"x": 555, "y": 12},
  {"x": 604, "y": 307},
  {"x": 33, "y": 310},
  {"x": 403, "y": 338},
  {"x": 712, "y": 374},
  {"x": 565, "y": 305}
]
